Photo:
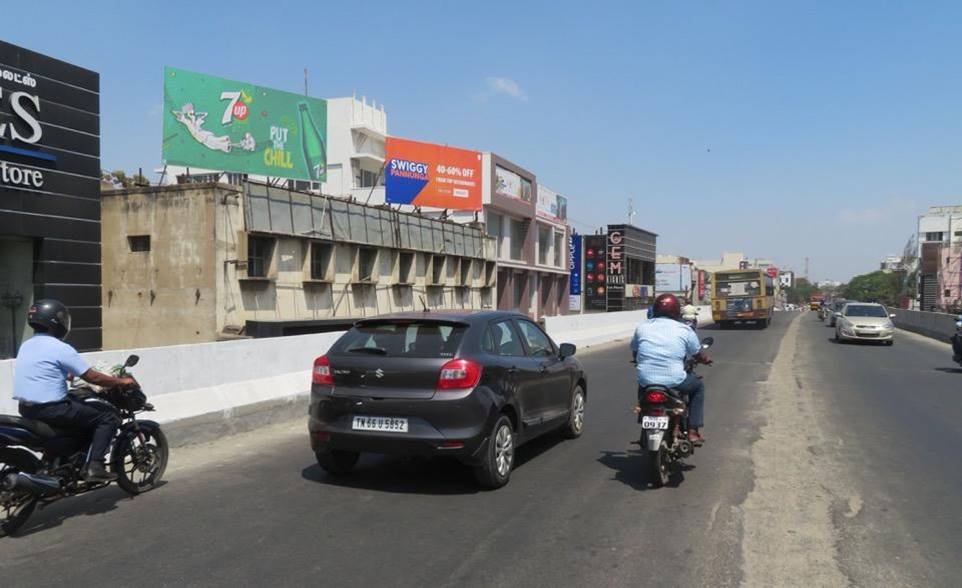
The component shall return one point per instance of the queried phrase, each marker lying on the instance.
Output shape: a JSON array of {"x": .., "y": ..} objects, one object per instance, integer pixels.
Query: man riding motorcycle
[
  {"x": 660, "y": 347},
  {"x": 43, "y": 366}
]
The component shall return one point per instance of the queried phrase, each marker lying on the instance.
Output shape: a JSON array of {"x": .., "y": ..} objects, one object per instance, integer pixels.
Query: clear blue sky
[{"x": 830, "y": 125}]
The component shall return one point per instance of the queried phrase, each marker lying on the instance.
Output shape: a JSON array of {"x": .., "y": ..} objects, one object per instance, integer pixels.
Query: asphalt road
[{"x": 255, "y": 508}]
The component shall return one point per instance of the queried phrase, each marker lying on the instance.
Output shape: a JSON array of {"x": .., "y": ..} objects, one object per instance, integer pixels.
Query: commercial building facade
[
  {"x": 203, "y": 262},
  {"x": 940, "y": 259},
  {"x": 50, "y": 194}
]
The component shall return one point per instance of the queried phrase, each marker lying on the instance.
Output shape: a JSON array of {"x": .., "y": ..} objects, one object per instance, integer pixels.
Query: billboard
[
  {"x": 219, "y": 124},
  {"x": 551, "y": 205},
  {"x": 425, "y": 174},
  {"x": 672, "y": 277},
  {"x": 511, "y": 184},
  {"x": 595, "y": 291},
  {"x": 574, "y": 267}
]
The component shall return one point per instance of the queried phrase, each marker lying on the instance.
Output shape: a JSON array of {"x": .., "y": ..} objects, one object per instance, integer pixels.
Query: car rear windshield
[
  {"x": 865, "y": 310},
  {"x": 403, "y": 339}
]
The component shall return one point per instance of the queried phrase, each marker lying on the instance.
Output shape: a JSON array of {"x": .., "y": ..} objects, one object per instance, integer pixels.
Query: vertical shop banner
[
  {"x": 616, "y": 270},
  {"x": 218, "y": 124},
  {"x": 425, "y": 174},
  {"x": 701, "y": 284},
  {"x": 595, "y": 290},
  {"x": 686, "y": 278},
  {"x": 574, "y": 267}
]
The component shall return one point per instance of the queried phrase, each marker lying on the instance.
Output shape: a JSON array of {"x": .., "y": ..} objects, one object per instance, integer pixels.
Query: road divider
[
  {"x": 935, "y": 325},
  {"x": 585, "y": 330}
]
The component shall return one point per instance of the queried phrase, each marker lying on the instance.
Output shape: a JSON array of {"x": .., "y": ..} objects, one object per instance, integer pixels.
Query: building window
[
  {"x": 517, "y": 239},
  {"x": 544, "y": 244},
  {"x": 933, "y": 236},
  {"x": 559, "y": 249},
  {"x": 366, "y": 264},
  {"x": 518, "y": 283},
  {"x": 138, "y": 243},
  {"x": 369, "y": 179},
  {"x": 496, "y": 230},
  {"x": 405, "y": 267},
  {"x": 259, "y": 251},
  {"x": 321, "y": 254}
]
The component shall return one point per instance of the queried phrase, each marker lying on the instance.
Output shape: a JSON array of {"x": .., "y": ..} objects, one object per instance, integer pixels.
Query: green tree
[
  {"x": 120, "y": 179},
  {"x": 878, "y": 286},
  {"x": 801, "y": 292}
]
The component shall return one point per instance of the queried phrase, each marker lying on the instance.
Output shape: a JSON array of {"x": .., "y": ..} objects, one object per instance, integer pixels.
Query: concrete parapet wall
[
  {"x": 205, "y": 390},
  {"x": 936, "y": 325}
]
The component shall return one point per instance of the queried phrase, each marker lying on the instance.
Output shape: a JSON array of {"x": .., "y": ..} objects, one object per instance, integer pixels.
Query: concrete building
[
  {"x": 892, "y": 263},
  {"x": 728, "y": 261},
  {"x": 940, "y": 258},
  {"x": 202, "y": 262}
]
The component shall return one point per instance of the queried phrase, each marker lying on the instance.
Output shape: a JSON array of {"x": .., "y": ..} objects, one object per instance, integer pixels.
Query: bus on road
[{"x": 741, "y": 296}]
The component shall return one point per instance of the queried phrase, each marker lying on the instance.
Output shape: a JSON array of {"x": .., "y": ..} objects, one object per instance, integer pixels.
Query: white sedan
[{"x": 864, "y": 321}]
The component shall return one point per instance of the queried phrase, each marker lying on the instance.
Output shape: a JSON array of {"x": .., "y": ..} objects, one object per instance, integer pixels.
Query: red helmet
[{"x": 667, "y": 305}]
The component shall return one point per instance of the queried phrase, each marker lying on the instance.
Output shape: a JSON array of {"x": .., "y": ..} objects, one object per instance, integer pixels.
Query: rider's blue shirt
[
  {"x": 660, "y": 346},
  {"x": 42, "y": 367}
]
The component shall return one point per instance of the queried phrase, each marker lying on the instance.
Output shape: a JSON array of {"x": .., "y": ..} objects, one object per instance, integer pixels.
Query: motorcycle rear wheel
[
  {"x": 658, "y": 467},
  {"x": 140, "y": 466},
  {"x": 16, "y": 507}
]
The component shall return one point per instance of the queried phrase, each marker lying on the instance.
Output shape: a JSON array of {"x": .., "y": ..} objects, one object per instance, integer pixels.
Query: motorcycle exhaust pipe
[{"x": 33, "y": 483}]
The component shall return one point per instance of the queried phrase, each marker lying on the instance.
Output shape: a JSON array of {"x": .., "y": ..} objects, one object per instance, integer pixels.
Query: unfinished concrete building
[{"x": 203, "y": 262}]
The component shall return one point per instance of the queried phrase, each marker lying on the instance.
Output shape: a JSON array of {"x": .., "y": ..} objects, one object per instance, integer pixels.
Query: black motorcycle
[
  {"x": 957, "y": 341},
  {"x": 664, "y": 426},
  {"x": 138, "y": 454}
]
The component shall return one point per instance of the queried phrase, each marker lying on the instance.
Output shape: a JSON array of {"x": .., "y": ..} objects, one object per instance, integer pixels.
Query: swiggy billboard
[{"x": 425, "y": 174}]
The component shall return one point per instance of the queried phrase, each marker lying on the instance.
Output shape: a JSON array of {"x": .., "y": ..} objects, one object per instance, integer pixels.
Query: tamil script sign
[
  {"x": 224, "y": 125},
  {"x": 425, "y": 174}
]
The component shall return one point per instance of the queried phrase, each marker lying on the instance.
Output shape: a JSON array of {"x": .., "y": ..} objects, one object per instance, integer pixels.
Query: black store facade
[{"x": 49, "y": 194}]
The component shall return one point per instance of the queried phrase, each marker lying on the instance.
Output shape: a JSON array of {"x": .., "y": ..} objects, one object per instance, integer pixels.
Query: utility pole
[
  {"x": 305, "y": 81},
  {"x": 806, "y": 269}
]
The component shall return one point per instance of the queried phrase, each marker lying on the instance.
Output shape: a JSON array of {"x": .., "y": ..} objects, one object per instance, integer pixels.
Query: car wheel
[
  {"x": 576, "y": 416},
  {"x": 495, "y": 469},
  {"x": 890, "y": 342},
  {"x": 337, "y": 462}
]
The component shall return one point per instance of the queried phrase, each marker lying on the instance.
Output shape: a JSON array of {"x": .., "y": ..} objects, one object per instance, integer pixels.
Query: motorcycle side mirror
[
  {"x": 131, "y": 361},
  {"x": 707, "y": 342}
]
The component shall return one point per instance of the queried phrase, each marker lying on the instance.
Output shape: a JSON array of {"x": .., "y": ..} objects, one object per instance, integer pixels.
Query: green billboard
[{"x": 217, "y": 124}]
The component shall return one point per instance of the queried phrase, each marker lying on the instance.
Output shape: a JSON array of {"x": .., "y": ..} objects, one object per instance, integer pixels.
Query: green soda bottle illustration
[{"x": 315, "y": 154}]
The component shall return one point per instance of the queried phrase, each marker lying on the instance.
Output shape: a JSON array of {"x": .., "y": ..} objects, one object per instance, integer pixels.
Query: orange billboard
[{"x": 425, "y": 174}]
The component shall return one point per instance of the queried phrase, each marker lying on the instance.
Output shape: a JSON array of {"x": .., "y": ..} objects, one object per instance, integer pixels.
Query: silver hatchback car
[{"x": 864, "y": 321}]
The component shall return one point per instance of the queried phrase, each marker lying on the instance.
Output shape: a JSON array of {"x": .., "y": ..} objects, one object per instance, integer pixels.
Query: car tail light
[
  {"x": 655, "y": 397},
  {"x": 459, "y": 374},
  {"x": 322, "y": 372}
]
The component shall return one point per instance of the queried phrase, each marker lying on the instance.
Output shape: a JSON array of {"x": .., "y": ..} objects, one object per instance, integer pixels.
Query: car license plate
[
  {"x": 648, "y": 422},
  {"x": 385, "y": 424}
]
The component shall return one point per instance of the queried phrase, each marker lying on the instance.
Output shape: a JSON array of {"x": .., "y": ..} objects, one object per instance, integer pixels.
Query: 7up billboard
[{"x": 217, "y": 124}]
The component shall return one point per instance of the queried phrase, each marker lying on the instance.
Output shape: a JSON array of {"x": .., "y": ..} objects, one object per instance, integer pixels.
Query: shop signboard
[
  {"x": 595, "y": 276},
  {"x": 219, "y": 124},
  {"x": 574, "y": 267},
  {"x": 50, "y": 189},
  {"x": 701, "y": 284},
  {"x": 550, "y": 204},
  {"x": 667, "y": 277},
  {"x": 615, "y": 269},
  {"x": 425, "y": 174}
]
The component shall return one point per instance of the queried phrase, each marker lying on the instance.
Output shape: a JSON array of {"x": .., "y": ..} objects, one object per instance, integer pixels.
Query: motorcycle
[
  {"x": 138, "y": 453},
  {"x": 664, "y": 425},
  {"x": 957, "y": 341}
]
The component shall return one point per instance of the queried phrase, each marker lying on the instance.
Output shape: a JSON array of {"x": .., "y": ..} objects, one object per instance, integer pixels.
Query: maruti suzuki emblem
[{"x": 379, "y": 373}]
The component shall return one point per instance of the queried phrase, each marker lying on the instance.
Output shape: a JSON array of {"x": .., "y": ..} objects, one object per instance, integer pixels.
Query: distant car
[
  {"x": 470, "y": 385},
  {"x": 835, "y": 309},
  {"x": 864, "y": 321}
]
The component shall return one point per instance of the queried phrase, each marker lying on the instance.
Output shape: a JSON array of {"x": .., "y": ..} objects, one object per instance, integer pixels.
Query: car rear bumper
[{"x": 457, "y": 424}]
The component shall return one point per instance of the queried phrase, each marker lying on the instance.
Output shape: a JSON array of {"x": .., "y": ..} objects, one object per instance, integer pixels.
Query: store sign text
[{"x": 18, "y": 103}]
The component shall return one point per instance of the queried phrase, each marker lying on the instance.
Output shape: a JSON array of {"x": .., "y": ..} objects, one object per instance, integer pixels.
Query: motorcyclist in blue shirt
[
  {"x": 660, "y": 347},
  {"x": 43, "y": 366}
]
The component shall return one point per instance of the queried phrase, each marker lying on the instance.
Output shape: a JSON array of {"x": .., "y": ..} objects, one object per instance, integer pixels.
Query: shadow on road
[
  {"x": 949, "y": 370},
  {"x": 420, "y": 475},
  {"x": 631, "y": 469},
  {"x": 95, "y": 503}
]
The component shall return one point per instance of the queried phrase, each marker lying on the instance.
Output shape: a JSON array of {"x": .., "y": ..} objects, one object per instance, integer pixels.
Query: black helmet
[
  {"x": 49, "y": 316},
  {"x": 667, "y": 305}
]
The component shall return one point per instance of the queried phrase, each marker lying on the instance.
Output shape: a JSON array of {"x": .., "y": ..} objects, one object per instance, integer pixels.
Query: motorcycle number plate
[{"x": 659, "y": 422}]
